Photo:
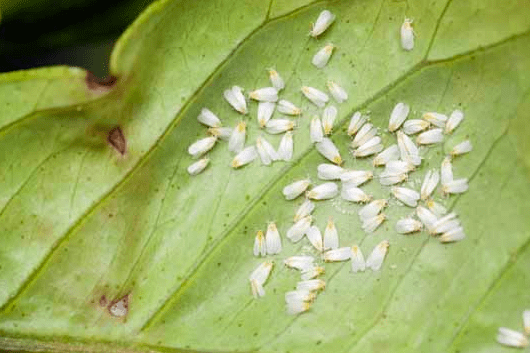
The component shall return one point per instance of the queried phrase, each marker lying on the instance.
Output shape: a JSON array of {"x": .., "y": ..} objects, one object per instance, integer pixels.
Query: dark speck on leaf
[{"x": 117, "y": 140}]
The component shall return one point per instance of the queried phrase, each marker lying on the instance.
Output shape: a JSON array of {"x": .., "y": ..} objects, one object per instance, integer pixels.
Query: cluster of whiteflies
[
  {"x": 399, "y": 160},
  {"x": 512, "y": 338},
  {"x": 236, "y": 137},
  {"x": 301, "y": 298}
]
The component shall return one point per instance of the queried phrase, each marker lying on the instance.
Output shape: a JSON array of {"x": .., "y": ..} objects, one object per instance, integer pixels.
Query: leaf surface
[{"x": 83, "y": 225}]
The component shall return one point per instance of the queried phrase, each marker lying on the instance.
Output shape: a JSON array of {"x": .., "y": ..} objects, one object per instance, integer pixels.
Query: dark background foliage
[{"x": 81, "y": 33}]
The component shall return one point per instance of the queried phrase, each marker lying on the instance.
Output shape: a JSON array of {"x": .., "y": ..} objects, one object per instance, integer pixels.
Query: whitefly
[
  {"x": 295, "y": 189},
  {"x": 324, "y": 20},
  {"x": 316, "y": 96},
  {"x": 327, "y": 171},
  {"x": 328, "y": 149},
  {"x": 321, "y": 58},
  {"x": 398, "y": 116},
  {"x": 338, "y": 93}
]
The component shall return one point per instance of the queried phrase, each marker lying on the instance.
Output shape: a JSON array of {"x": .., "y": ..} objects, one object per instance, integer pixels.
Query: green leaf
[{"x": 83, "y": 225}]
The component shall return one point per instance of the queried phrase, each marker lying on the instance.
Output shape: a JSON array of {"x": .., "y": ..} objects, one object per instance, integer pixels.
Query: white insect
[
  {"x": 316, "y": 97},
  {"x": 431, "y": 180},
  {"x": 298, "y": 230},
  {"x": 286, "y": 107},
  {"x": 413, "y": 126},
  {"x": 437, "y": 119},
  {"x": 223, "y": 133},
  {"x": 299, "y": 296},
  {"x": 266, "y": 151},
  {"x": 354, "y": 194},
  {"x": 273, "y": 240},
  {"x": 329, "y": 171},
  {"x": 279, "y": 126},
  {"x": 408, "y": 196},
  {"x": 511, "y": 338},
  {"x": 324, "y": 191},
  {"x": 297, "y": 307},
  {"x": 293, "y": 190},
  {"x": 338, "y": 93},
  {"x": 371, "y": 224},
  {"x": 446, "y": 171},
  {"x": 357, "y": 260},
  {"x": 356, "y": 177},
  {"x": 200, "y": 147},
  {"x": 276, "y": 80},
  {"x": 258, "y": 278},
  {"x": 408, "y": 225},
  {"x": 327, "y": 148},
  {"x": 235, "y": 97},
  {"x": 370, "y": 147},
  {"x": 430, "y": 137},
  {"x": 357, "y": 120},
  {"x": 389, "y": 154},
  {"x": 455, "y": 234},
  {"x": 364, "y": 134},
  {"x": 322, "y": 56},
  {"x": 266, "y": 94},
  {"x": 265, "y": 111},
  {"x": 445, "y": 224},
  {"x": 306, "y": 208},
  {"x": 376, "y": 258},
  {"x": 426, "y": 217},
  {"x": 398, "y": 116},
  {"x": 208, "y": 118},
  {"x": 315, "y": 238},
  {"x": 337, "y": 255},
  {"x": 456, "y": 186},
  {"x": 312, "y": 272},
  {"x": 328, "y": 118},
  {"x": 436, "y": 208},
  {"x": 312, "y": 285},
  {"x": 285, "y": 150},
  {"x": 387, "y": 179},
  {"x": 198, "y": 166},
  {"x": 315, "y": 130},
  {"x": 237, "y": 138},
  {"x": 407, "y": 35},
  {"x": 331, "y": 236},
  {"x": 461, "y": 148},
  {"x": 408, "y": 150},
  {"x": 398, "y": 167},
  {"x": 244, "y": 157},
  {"x": 299, "y": 262},
  {"x": 324, "y": 20},
  {"x": 454, "y": 120},
  {"x": 372, "y": 209},
  {"x": 260, "y": 246}
]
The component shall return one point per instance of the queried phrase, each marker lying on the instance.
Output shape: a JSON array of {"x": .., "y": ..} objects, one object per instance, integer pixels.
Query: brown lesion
[
  {"x": 117, "y": 140},
  {"x": 97, "y": 84},
  {"x": 103, "y": 300},
  {"x": 119, "y": 307}
]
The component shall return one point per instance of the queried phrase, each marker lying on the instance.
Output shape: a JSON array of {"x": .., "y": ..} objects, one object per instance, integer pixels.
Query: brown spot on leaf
[
  {"x": 117, "y": 140},
  {"x": 103, "y": 300},
  {"x": 119, "y": 307},
  {"x": 95, "y": 83}
]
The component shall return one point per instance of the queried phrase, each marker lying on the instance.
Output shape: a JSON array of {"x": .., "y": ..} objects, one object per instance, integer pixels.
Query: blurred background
[{"x": 35, "y": 33}]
